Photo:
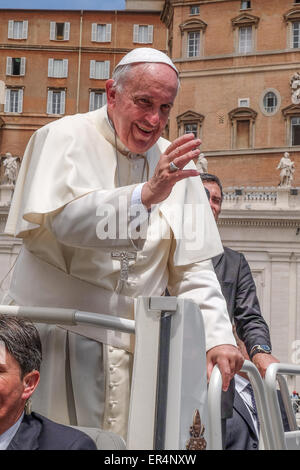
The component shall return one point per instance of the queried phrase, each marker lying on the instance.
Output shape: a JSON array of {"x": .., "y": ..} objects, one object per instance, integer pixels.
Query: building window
[
  {"x": 190, "y": 122},
  {"x": 245, "y": 39},
  {"x": 56, "y": 102},
  {"x": 192, "y": 33},
  {"x": 101, "y": 32},
  {"x": 59, "y": 31},
  {"x": 58, "y": 68},
  {"x": 97, "y": 99},
  {"x": 195, "y": 10},
  {"x": 193, "y": 44},
  {"x": 242, "y": 125},
  {"x": 243, "y": 102},
  {"x": 245, "y": 26},
  {"x": 17, "y": 29},
  {"x": 99, "y": 69},
  {"x": 13, "y": 100},
  {"x": 270, "y": 101},
  {"x": 191, "y": 128},
  {"x": 143, "y": 34},
  {"x": 15, "y": 65},
  {"x": 291, "y": 115},
  {"x": 245, "y": 5},
  {"x": 295, "y": 130},
  {"x": 296, "y": 35},
  {"x": 292, "y": 19}
]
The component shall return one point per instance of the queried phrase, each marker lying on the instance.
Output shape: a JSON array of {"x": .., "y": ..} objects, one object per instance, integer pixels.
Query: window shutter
[
  {"x": 7, "y": 100},
  {"x": 10, "y": 34},
  {"x": 65, "y": 68},
  {"x": 20, "y": 100},
  {"x": 108, "y": 33},
  {"x": 92, "y": 69},
  {"x": 104, "y": 99},
  {"x": 50, "y": 67},
  {"x": 67, "y": 31},
  {"x": 94, "y": 32},
  {"x": 62, "y": 102},
  {"x": 92, "y": 101},
  {"x": 8, "y": 65},
  {"x": 106, "y": 69},
  {"x": 23, "y": 66},
  {"x": 25, "y": 29},
  {"x": 49, "y": 102},
  {"x": 52, "y": 30},
  {"x": 136, "y": 33},
  {"x": 150, "y": 33}
]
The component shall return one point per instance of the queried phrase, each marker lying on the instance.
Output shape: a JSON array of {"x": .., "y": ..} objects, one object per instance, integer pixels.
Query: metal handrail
[
  {"x": 214, "y": 412},
  {"x": 272, "y": 373},
  {"x": 68, "y": 316}
]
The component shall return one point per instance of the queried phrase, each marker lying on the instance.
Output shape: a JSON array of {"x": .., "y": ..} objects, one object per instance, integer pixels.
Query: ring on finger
[{"x": 173, "y": 167}]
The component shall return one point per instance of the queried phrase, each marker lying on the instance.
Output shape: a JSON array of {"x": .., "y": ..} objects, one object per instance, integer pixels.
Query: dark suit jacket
[
  {"x": 240, "y": 431},
  {"x": 39, "y": 433},
  {"x": 238, "y": 287}
]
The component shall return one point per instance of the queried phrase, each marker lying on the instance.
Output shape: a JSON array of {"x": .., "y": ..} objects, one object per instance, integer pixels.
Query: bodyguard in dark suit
[
  {"x": 39, "y": 433},
  {"x": 20, "y": 359},
  {"x": 238, "y": 287}
]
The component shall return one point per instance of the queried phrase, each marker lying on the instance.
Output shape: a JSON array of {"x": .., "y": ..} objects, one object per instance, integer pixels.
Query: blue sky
[{"x": 63, "y": 4}]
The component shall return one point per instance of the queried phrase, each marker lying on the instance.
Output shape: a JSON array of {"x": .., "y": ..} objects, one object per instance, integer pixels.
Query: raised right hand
[{"x": 180, "y": 152}]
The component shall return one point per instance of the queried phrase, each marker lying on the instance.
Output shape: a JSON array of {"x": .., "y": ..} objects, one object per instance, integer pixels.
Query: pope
[{"x": 91, "y": 189}]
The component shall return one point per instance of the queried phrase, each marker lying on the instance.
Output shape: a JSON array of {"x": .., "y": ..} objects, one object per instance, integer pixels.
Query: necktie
[{"x": 253, "y": 408}]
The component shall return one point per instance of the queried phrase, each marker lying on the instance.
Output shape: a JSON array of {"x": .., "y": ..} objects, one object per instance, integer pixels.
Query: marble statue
[
  {"x": 287, "y": 168},
  {"x": 202, "y": 164},
  {"x": 295, "y": 87},
  {"x": 11, "y": 166}
]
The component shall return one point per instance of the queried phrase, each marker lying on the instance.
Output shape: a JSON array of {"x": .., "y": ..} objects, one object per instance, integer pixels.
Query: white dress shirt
[
  {"x": 240, "y": 387},
  {"x": 8, "y": 435}
]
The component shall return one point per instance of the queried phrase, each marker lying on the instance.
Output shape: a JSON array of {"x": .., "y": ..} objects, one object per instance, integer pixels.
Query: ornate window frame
[
  {"x": 242, "y": 114},
  {"x": 293, "y": 110},
  {"x": 261, "y": 101},
  {"x": 192, "y": 25},
  {"x": 243, "y": 20},
  {"x": 292, "y": 16},
  {"x": 189, "y": 117}
]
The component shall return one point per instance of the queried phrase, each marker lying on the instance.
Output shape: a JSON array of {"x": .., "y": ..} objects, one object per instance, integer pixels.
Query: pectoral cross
[{"x": 124, "y": 257}]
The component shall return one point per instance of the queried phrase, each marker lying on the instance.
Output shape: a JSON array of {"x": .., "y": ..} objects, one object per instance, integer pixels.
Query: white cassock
[{"x": 68, "y": 181}]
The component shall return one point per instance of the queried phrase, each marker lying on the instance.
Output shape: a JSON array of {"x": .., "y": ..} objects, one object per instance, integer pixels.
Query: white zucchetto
[{"x": 146, "y": 54}]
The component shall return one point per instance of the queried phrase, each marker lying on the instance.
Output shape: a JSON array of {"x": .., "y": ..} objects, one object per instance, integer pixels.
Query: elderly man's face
[
  {"x": 215, "y": 199},
  {"x": 14, "y": 390},
  {"x": 141, "y": 109}
]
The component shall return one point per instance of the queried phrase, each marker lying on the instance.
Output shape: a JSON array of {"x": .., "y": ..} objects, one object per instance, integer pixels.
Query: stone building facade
[
  {"x": 239, "y": 64},
  {"x": 56, "y": 62}
]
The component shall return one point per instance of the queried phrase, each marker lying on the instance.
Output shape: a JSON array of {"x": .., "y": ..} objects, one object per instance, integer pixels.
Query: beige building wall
[
  {"x": 79, "y": 49},
  {"x": 213, "y": 82}
]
